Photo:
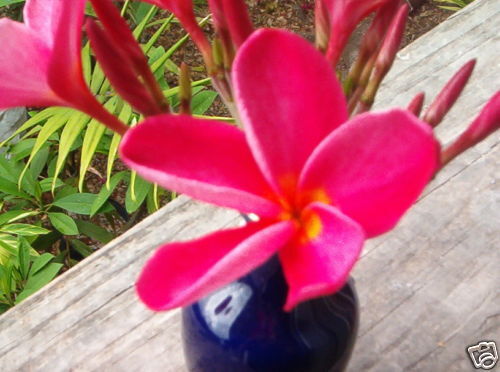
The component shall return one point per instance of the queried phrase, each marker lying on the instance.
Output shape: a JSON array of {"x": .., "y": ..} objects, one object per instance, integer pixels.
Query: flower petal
[
  {"x": 22, "y": 82},
  {"x": 65, "y": 68},
  {"x": 42, "y": 17},
  {"x": 204, "y": 159},
  {"x": 289, "y": 100},
  {"x": 372, "y": 168},
  {"x": 180, "y": 273},
  {"x": 318, "y": 262}
]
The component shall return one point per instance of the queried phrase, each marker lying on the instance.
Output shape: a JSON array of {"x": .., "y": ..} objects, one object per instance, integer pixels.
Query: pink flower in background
[
  {"x": 320, "y": 184},
  {"x": 40, "y": 63}
]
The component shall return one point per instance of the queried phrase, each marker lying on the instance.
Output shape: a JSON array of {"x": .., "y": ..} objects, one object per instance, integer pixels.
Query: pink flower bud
[
  {"x": 344, "y": 16},
  {"x": 487, "y": 122},
  {"x": 119, "y": 70},
  {"x": 322, "y": 25},
  {"x": 238, "y": 20},
  {"x": 449, "y": 94},
  {"x": 416, "y": 104},
  {"x": 392, "y": 40}
]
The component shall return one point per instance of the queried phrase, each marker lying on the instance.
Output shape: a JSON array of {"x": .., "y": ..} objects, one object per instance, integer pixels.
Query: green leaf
[
  {"x": 53, "y": 123},
  {"x": 38, "y": 280},
  {"x": 11, "y": 216},
  {"x": 136, "y": 193},
  {"x": 9, "y": 2},
  {"x": 93, "y": 135},
  {"x": 70, "y": 133},
  {"x": 86, "y": 63},
  {"x": 24, "y": 249},
  {"x": 202, "y": 101},
  {"x": 12, "y": 189},
  {"x": 106, "y": 192},
  {"x": 23, "y": 229},
  {"x": 64, "y": 223},
  {"x": 77, "y": 203},
  {"x": 93, "y": 231},
  {"x": 40, "y": 161},
  {"x": 81, "y": 248},
  {"x": 47, "y": 183},
  {"x": 40, "y": 262},
  {"x": 36, "y": 119}
]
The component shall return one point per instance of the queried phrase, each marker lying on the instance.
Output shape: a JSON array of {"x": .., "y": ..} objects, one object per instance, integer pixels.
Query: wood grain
[{"x": 427, "y": 289}]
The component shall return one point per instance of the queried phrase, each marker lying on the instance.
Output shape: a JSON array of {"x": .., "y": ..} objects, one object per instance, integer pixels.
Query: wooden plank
[{"x": 427, "y": 289}]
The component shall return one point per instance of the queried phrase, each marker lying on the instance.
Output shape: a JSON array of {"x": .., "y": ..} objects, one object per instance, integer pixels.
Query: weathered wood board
[{"x": 428, "y": 289}]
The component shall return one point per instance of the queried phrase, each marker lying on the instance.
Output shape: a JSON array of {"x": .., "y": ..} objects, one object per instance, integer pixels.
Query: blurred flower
[{"x": 40, "y": 63}]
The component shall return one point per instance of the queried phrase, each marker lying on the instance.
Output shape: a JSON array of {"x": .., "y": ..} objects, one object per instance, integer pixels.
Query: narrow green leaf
[
  {"x": 24, "y": 257},
  {"x": 95, "y": 131},
  {"x": 52, "y": 124},
  {"x": 23, "y": 229},
  {"x": 63, "y": 223},
  {"x": 12, "y": 216},
  {"x": 124, "y": 116},
  {"x": 36, "y": 119},
  {"x": 70, "y": 133},
  {"x": 152, "y": 41},
  {"x": 86, "y": 63},
  {"x": 142, "y": 25}
]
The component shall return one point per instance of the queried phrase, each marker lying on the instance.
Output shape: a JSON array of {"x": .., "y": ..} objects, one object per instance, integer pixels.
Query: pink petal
[
  {"x": 65, "y": 68},
  {"x": 23, "y": 82},
  {"x": 181, "y": 273},
  {"x": 43, "y": 16},
  {"x": 345, "y": 15},
  {"x": 372, "y": 168},
  {"x": 320, "y": 265},
  {"x": 204, "y": 159},
  {"x": 238, "y": 20},
  {"x": 289, "y": 100}
]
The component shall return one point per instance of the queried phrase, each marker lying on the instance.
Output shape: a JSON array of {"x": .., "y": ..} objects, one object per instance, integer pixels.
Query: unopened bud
[
  {"x": 487, "y": 122},
  {"x": 416, "y": 104},
  {"x": 449, "y": 94}
]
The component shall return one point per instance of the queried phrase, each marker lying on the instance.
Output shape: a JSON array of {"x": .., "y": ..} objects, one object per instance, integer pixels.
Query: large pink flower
[
  {"x": 319, "y": 183},
  {"x": 40, "y": 62}
]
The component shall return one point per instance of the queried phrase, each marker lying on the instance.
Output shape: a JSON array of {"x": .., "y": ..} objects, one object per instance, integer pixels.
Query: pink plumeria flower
[
  {"x": 319, "y": 182},
  {"x": 40, "y": 63}
]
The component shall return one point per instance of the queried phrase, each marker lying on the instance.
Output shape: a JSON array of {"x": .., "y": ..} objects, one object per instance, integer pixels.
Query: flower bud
[
  {"x": 416, "y": 104},
  {"x": 449, "y": 94},
  {"x": 487, "y": 122}
]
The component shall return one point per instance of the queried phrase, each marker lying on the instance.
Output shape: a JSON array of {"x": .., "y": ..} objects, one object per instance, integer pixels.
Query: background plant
[{"x": 60, "y": 181}]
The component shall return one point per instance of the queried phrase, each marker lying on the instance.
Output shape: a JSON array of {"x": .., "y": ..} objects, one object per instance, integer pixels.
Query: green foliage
[
  {"x": 454, "y": 5},
  {"x": 59, "y": 174}
]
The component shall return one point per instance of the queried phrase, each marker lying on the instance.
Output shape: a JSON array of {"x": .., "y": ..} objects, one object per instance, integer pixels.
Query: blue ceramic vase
[{"x": 242, "y": 327}]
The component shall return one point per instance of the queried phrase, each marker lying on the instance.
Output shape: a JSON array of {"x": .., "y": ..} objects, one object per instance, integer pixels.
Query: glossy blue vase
[{"x": 242, "y": 327}]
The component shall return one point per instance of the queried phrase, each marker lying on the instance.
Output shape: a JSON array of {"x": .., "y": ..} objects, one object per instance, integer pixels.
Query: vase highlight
[{"x": 242, "y": 327}]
